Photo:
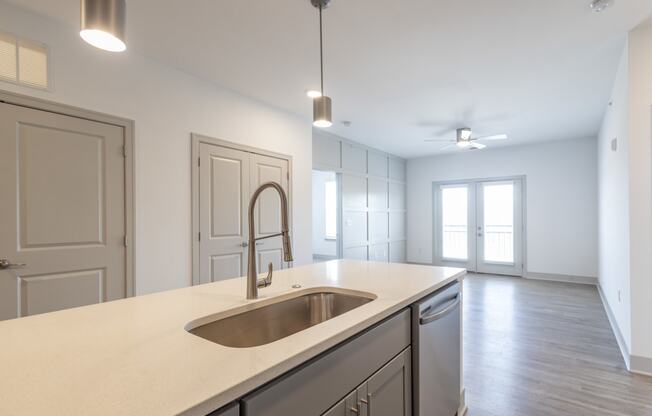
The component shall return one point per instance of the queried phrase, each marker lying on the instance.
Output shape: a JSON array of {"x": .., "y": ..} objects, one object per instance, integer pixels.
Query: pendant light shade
[
  {"x": 321, "y": 105},
  {"x": 103, "y": 24},
  {"x": 321, "y": 112}
]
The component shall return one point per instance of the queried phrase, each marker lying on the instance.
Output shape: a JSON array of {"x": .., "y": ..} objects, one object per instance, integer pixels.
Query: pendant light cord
[{"x": 321, "y": 49}]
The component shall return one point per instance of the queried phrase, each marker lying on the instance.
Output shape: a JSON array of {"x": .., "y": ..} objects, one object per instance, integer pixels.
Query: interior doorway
[
  {"x": 325, "y": 216},
  {"x": 479, "y": 225}
]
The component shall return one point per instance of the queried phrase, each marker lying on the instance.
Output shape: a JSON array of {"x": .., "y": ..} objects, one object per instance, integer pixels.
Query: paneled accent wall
[{"x": 373, "y": 194}]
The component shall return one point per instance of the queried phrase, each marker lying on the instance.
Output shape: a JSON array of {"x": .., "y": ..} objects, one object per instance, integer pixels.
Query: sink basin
[{"x": 278, "y": 320}]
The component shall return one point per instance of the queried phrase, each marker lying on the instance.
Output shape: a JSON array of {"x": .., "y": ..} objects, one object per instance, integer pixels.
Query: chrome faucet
[{"x": 253, "y": 283}]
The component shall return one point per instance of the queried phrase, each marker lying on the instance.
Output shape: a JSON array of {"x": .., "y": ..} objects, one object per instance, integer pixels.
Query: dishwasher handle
[{"x": 455, "y": 301}]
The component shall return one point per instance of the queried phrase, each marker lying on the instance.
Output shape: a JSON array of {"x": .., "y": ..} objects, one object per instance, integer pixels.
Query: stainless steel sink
[{"x": 278, "y": 320}]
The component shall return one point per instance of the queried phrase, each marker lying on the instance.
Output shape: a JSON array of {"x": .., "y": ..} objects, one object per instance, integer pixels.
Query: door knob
[
  {"x": 5, "y": 264},
  {"x": 479, "y": 234},
  {"x": 244, "y": 244}
]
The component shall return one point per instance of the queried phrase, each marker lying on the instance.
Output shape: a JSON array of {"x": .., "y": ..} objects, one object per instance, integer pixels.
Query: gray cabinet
[
  {"x": 232, "y": 409},
  {"x": 346, "y": 407},
  {"x": 387, "y": 392},
  {"x": 316, "y": 386}
]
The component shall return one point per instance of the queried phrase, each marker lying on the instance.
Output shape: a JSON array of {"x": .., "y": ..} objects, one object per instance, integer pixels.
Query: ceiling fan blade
[
  {"x": 438, "y": 140},
  {"x": 477, "y": 146},
  {"x": 448, "y": 146},
  {"x": 492, "y": 137}
]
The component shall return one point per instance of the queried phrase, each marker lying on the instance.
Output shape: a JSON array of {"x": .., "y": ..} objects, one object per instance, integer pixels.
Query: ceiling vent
[{"x": 600, "y": 5}]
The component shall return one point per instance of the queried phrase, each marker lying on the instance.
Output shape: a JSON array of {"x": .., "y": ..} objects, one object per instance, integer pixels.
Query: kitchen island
[{"x": 135, "y": 356}]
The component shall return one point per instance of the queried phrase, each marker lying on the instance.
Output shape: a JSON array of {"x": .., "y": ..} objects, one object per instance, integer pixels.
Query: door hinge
[
  {"x": 125, "y": 242},
  {"x": 199, "y": 236},
  {"x": 124, "y": 151},
  {"x": 198, "y": 162},
  {"x": 288, "y": 175}
]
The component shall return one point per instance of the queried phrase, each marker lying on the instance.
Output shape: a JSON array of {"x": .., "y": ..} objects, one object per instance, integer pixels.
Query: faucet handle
[{"x": 267, "y": 281}]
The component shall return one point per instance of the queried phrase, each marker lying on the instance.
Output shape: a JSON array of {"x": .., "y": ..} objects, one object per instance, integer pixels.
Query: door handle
[
  {"x": 479, "y": 234},
  {"x": 6, "y": 264},
  {"x": 441, "y": 313},
  {"x": 244, "y": 244}
]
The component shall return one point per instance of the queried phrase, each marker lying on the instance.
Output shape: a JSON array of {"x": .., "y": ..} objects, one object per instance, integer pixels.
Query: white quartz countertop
[{"x": 134, "y": 357}]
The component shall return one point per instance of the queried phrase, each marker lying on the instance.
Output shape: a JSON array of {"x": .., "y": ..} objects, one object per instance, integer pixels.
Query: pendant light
[
  {"x": 103, "y": 24},
  {"x": 321, "y": 106}
]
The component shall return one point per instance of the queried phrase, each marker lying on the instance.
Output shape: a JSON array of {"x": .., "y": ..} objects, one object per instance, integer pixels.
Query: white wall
[
  {"x": 167, "y": 105},
  {"x": 320, "y": 245},
  {"x": 626, "y": 200},
  {"x": 373, "y": 197},
  {"x": 613, "y": 185},
  {"x": 561, "y": 198},
  {"x": 640, "y": 208}
]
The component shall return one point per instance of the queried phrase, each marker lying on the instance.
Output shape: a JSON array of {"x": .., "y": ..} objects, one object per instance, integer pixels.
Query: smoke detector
[{"x": 600, "y": 5}]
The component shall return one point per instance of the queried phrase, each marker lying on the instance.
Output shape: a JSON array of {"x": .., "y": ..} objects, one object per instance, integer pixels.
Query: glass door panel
[
  {"x": 455, "y": 225},
  {"x": 498, "y": 224},
  {"x": 455, "y": 230},
  {"x": 500, "y": 227}
]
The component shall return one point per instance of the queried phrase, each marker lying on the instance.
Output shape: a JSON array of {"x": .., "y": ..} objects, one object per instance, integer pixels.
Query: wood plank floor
[{"x": 536, "y": 348}]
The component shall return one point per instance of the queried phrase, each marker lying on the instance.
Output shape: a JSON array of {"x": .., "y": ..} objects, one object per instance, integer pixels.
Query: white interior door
[
  {"x": 62, "y": 211},
  {"x": 479, "y": 226},
  {"x": 268, "y": 208},
  {"x": 224, "y": 183}
]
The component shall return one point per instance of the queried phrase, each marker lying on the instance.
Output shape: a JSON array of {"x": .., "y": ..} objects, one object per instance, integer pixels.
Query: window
[
  {"x": 330, "y": 200},
  {"x": 23, "y": 61}
]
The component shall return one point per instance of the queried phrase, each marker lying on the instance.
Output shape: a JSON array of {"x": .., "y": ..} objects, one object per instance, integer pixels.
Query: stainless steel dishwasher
[{"x": 436, "y": 358}]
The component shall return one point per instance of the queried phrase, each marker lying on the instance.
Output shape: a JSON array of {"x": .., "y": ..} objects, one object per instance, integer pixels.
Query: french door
[{"x": 479, "y": 225}]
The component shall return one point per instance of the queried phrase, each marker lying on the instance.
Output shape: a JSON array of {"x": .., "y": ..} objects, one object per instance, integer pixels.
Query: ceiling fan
[{"x": 463, "y": 139}]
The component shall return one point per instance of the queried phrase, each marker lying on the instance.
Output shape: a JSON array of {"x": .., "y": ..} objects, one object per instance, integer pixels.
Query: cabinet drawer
[{"x": 315, "y": 386}]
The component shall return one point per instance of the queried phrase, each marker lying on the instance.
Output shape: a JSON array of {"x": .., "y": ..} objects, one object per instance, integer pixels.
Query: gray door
[
  {"x": 268, "y": 208},
  {"x": 62, "y": 212},
  {"x": 389, "y": 390},
  {"x": 224, "y": 182}
]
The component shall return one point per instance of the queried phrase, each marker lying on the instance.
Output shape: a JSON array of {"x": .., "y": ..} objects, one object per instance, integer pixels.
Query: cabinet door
[
  {"x": 390, "y": 390},
  {"x": 348, "y": 406}
]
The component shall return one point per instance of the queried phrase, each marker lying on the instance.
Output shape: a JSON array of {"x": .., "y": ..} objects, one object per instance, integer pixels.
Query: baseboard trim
[
  {"x": 640, "y": 365},
  {"x": 463, "y": 409},
  {"x": 585, "y": 280},
  {"x": 616, "y": 329}
]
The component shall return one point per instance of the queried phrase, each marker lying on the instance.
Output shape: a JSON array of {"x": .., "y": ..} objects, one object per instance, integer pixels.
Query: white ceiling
[{"x": 400, "y": 70}]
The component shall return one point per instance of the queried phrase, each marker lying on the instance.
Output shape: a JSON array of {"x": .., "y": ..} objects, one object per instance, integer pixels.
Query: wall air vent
[{"x": 24, "y": 62}]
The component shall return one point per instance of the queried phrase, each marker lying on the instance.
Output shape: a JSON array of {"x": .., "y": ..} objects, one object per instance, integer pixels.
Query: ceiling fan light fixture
[
  {"x": 464, "y": 133},
  {"x": 463, "y": 144},
  {"x": 103, "y": 24}
]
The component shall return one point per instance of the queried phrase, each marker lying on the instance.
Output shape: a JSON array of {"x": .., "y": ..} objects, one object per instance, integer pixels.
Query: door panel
[
  {"x": 499, "y": 227},
  {"x": 454, "y": 225},
  {"x": 378, "y": 226},
  {"x": 355, "y": 253},
  {"x": 64, "y": 179},
  {"x": 268, "y": 208},
  {"x": 397, "y": 252},
  {"x": 379, "y": 252},
  {"x": 479, "y": 226},
  {"x": 223, "y": 202},
  {"x": 390, "y": 389}
]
